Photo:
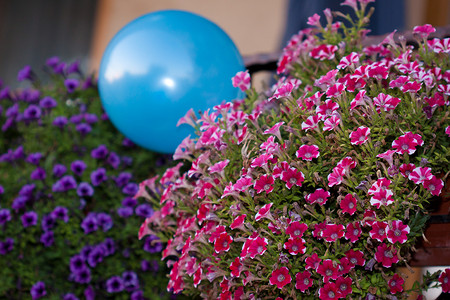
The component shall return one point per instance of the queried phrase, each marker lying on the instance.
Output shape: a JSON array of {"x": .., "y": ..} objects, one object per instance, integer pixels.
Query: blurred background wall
[{"x": 33, "y": 30}]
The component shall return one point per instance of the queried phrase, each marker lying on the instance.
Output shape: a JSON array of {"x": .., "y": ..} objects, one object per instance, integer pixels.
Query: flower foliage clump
[
  {"x": 317, "y": 188},
  {"x": 67, "y": 181}
]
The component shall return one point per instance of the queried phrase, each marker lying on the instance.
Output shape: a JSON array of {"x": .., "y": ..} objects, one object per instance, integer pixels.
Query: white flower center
[
  {"x": 381, "y": 232},
  {"x": 294, "y": 248},
  {"x": 308, "y": 155},
  {"x": 281, "y": 278},
  {"x": 266, "y": 187},
  {"x": 397, "y": 232},
  {"x": 343, "y": 287},
  {"x": 355, "y": 231},
  {"x": 351, "y": 205},
  {"x": 306, "y": 281},
  {"x": 334, "y": 236},
  {"x": 388, "y": 254},
  {"x": 293, "y": 180},
  {"x": 331, "y": 294},
  {"x": 297, "y": 232},
  {"x": 260, "y": 249}
]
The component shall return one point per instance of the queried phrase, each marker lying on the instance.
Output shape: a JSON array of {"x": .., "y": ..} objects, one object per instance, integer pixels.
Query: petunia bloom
[
  {"x": 280, "y": 277},
  {"x": 360, "y": 135}
]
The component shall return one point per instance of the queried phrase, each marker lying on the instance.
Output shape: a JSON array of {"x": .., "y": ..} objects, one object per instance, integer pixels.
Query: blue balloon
[{"x": 159, "y": 66}]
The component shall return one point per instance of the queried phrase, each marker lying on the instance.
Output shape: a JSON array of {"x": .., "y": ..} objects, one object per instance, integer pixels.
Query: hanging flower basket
[{"x": 319, "y": 187}]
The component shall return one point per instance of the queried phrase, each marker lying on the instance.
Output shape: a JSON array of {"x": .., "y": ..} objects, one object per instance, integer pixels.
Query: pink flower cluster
[{"x": 305, "y": 191}]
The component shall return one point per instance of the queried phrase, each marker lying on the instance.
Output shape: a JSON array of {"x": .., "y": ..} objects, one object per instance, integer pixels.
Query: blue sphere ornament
[{"x": 159, "y": 66}]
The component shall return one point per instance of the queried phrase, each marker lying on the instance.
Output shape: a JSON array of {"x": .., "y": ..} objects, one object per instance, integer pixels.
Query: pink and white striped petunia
[
  {"x": 264, "y": 212},
  {"x": 336, "y": 176},
  {"x": 380, "y": 185},
  {"x": 219, "y": 167},
  {"x": 238, "y": 222},
  {"x": 261, "y": 160},
  {"x": 275, "y": 130},
  {"x": 378, "y": 231},
  {"x": 360, "y": 135},
  {"x": 346, "y": 163},
  {"x": 424, "y": 31},
  {"x": 311, "y": 123},
  {"x": 264, "y": 184},
  {"x": 388, "y": 156},
  {"x": 383, "y": 197},
  {"x": 331, "y": 123},
  {"x": 434, "y": 185},
  {"x": 292, "y": 177},
  {"x": 349, "y": 60},
  {"x": 385, "y": 102},
  {"x": 420, "y": 174},
  {"x": 223, "y": 243},
  {"x": 335, "y": 90},
  {"x": 407, "y": 143},
  {"x": 323, "y": 52},
  {"x": 241, "y": 80},
  {"x": 358, "y": 100},
  {"x": 348, "y": 204},
  {"x": 319, "y": 196},
  {"x": 397, "y": 232},
  {"x": 327, "y": 109},
  {"x": 307, "y": 152}
]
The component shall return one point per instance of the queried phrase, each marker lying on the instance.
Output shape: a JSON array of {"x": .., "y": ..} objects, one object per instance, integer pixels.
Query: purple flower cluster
[
  {"x": 40, "y": 202},
  {"x": 94, "y": 221}
]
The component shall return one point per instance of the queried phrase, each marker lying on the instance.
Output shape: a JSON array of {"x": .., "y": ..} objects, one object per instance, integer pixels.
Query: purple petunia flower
[
  {"x": 29, "y": 218},
  {"x": 59, "y": 68},
  {"x": 128, "y": 143},
  {"x": 73, "y": 67},
  {"x": 78, "y": 167},
  {"x": 104, "y": 221},
  {"x": 70, "y": 296},
  {"x": 61, "y": 213},
  {"x": 76, "y": 119},
  {"x": 137, "y": 295},
  {"x": 89, "y": 293},
  {"x": 4, "y": 93},
  {"x": 38, "y": 290},
  {"x": 8, "y": 124},
  {"x": 32, "y": 112},
  {"x": 122, "y": 179},
  {"x": 84, "y": 252},
  {"x": 83, "y": 128},
  {"x": 38, "y": 174},
  {"x": 128, "y": 161},
  {"x": 83, "y": 276},
  {"x": 12, "y": 111},
  {"x": 47, "y": 238},
  {"x": 130, "y": 280},
  {"x": 34, "y": 158},
  {"x": 90, "y": 118},
  {"x": 48, "y": 222},
  {"x": 60, "y": 121},
  {"x": 59, "y": 170},
  {"x": 125, "y": 212},
  {"x": 96, "y": 256},
  {"x": 113, "y": 160},
  {"x": 89, "y": 224},
  {"x": 19, "y": 203},
  {"x": 71, "y": 84},
  {"x": 109, "y": 247},
  {"x": 30, "y": 95},
  {"x": 25, "y": 73},
  {"x": 114, "y": 284},
  {"x": 85, "y": 190},
  {"x": 27, "y": 190},
  {"x": 18, "y": 153},
  {"x": 52, "y": 61},
  {"x": 76, "y": 263},
  {"x": 98, "y": 176},
  {"x": 100, "y": 152},
  {"x": 6, "y": 246},
  {"x": 153, "y": 244},
  {"x": 149, "y": 265},
  {"x": 130, "y": 189},
  {"x": 129, "y": 201},
  {"x": 5, "y": 216},
  {"x": 66, "y": 183},
  {"x": 48, "y": 102},
  {"x": 144, "y": 210}
]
